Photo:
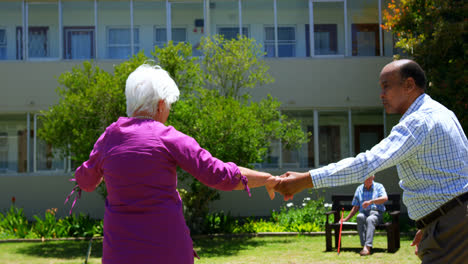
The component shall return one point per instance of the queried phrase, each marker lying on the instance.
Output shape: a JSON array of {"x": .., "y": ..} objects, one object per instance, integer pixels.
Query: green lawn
[{"x": 287, "y": 250}]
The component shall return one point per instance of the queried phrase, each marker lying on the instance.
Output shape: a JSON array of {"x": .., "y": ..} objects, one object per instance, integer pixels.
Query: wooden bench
[{"x": 392, "y": 207}]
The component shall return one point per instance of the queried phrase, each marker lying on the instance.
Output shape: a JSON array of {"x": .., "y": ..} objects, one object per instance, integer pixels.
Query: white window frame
[
  {"x": 136, "y": 46},
  {"x": 67, "y": 29},
  {"x": 312, "y": 24},
  {"x": 161, "y": 43},
  {"x": 277, "y": 42},
  {"x": 247, "y": 27}
]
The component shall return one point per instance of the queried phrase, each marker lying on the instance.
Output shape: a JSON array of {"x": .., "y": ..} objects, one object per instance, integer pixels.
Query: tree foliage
[
  {"x": 434, "y": 33},
  {"x": 228, "y": 124},
  {"x": 233, "y": 65}
]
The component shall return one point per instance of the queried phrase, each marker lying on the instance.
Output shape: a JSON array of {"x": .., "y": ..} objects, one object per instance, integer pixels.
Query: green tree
[
  {"x": 233, "y": 65},
  {"x": 231, "y": 128},
  {"x": 434, "y": 33}
]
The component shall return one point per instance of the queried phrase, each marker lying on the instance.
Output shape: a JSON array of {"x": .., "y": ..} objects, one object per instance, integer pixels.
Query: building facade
[{"x": 326, "y": 75}]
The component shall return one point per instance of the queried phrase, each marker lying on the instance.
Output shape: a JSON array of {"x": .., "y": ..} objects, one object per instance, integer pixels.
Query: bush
[
  {"x": 81, "y": 226},
  {"x": 14, "y": 222},
  {"x": 48, "y": 227},
  {"x": 307, "y": 217}
]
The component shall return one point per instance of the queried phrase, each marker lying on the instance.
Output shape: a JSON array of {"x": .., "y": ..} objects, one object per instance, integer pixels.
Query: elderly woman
[{"x": 138, "y": 156}]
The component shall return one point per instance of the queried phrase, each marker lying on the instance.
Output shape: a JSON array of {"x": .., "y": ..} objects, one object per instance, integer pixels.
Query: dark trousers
[{"x": 445, "y": 240}]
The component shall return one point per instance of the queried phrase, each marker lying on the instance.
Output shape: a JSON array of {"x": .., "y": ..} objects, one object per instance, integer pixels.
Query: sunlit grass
[{"x": 271, "y": 250}]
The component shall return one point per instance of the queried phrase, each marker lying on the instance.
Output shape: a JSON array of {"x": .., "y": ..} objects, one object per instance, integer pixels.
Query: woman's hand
[{"x": 270, "y": 185}]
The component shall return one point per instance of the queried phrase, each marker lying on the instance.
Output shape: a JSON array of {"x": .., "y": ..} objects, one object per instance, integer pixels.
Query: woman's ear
[{"x": 161, "y": 105}]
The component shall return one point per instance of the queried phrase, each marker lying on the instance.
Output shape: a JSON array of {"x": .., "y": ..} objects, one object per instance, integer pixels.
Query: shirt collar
[
  {"x": 415, "y": 105},
  {"x": 372, "y": 186}
]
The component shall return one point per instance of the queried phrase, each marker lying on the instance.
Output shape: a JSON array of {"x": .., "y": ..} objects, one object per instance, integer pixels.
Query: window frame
[
  {"x": 136, "y": 45},
  {"x": 244, "y": 27},
  {"x": 67, "y": 41},
  {"x": 333, "y": 38},
  {"x": 269, "y": 42},
  {"x": 4, "y": 44},
  {"x": 365, "y": 27},
  {"x": 19, "y": 43},
  {"x": 155, "y": 41}
]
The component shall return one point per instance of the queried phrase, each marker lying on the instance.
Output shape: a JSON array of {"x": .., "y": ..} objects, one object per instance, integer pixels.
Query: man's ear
[{"x": 410, "y": 84}]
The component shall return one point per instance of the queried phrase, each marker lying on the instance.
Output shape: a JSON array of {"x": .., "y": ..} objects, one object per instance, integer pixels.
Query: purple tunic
[{"x": 143, "y": 221}]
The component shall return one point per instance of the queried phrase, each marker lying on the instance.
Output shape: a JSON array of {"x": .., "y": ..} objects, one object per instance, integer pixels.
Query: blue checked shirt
[
  {"x": 362, "y": 194},
  {"x": 430, "y": 150}
]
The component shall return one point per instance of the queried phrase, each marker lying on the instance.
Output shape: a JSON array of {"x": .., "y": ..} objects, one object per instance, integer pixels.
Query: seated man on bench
[{"x": 368, "y": 199}]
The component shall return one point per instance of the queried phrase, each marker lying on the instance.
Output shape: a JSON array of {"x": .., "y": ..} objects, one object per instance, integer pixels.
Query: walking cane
[{"x": 341, "y": 228}]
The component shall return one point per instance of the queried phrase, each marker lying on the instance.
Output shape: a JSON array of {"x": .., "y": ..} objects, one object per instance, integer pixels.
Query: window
[
  {"x": 232, "y": 32},
  {"x": 365, "y": 38},
  {"x": 78, "y": 43},
  {"x": 286, "y": 42},
  {"x": 119, "y": 42},
  {"x": 3, "y": 44},
  {"x": 3, "y": 151},
  {"x": 325, "y": 39},
  {"x": 13, "y": 144},
  {"x": 329, "y": 144},
  {"x": 366, "y": 136},
  {"x": 37, "y": 42},
  {"x": 178, "y": 35}
]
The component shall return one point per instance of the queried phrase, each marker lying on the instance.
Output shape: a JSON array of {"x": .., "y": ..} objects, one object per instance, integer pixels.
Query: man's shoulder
[{"x": 378, "y": 183}]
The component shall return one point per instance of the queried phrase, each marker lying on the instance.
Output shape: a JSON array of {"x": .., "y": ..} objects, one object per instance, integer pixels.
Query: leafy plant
[
  {"x": 81, "y": 226},
  {"x": 310, "y": 215},
  {"x": 15, "y": 222},
  {"x": 219, "y": 223},
  {"x": 47, "y": 227}
]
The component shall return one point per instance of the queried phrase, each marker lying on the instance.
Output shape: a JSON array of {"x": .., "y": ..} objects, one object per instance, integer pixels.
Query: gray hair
[{"x": 146, "y": 86}]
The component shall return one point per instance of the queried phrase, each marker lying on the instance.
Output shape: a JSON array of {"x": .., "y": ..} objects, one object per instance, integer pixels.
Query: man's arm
[
  {"x": 379, "y": 200},
  {"x": 397, "y": 147},
  {"x": 353, "y": 211}
]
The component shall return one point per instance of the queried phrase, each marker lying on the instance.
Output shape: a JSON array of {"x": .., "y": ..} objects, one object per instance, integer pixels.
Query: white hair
[{"x": 146, "y": 86}]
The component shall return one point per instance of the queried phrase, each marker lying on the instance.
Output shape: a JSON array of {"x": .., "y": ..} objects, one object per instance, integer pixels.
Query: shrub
[
  {"x": 48, "y": 227},
  {"x": 307, "y": 217},
  {"x": 81, "y": 226},
  {"x": 14, "y": 222}
]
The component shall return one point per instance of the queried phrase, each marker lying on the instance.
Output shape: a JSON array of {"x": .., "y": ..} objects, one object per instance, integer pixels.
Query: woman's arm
[
  {"x": 258, "y": 179},
  {"x": 89, "y": 175}
]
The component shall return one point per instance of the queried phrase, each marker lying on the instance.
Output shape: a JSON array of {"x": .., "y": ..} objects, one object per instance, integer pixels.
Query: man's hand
[
  {"x": 416, "y": 240},
  {"x": 366, "y": 204},
  {"x": 292, "y": 183}
]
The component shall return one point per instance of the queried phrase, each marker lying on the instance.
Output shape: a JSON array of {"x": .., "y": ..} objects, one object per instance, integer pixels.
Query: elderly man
[
  {"x": 368, "y": 200},
  {"x": 430, "y": 150}
]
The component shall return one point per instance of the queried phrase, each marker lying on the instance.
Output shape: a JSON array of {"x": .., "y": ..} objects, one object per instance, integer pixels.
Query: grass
[{"x": 271, "y": 250}]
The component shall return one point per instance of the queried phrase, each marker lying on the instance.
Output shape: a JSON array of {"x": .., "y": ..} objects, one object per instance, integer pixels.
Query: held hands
[
  {"x": 292, "y": 183},
  {"x": 270, "y": 185}
]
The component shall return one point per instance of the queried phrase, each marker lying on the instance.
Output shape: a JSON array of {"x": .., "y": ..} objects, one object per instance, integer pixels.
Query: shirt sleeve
[
  {"x": 381, "y": 191},
  {"x": 404, "y": 140},
  {"x": 201, "y": 164},
  {"x": 89, "y": 175},
  {"x": 356, "y": 201}
]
